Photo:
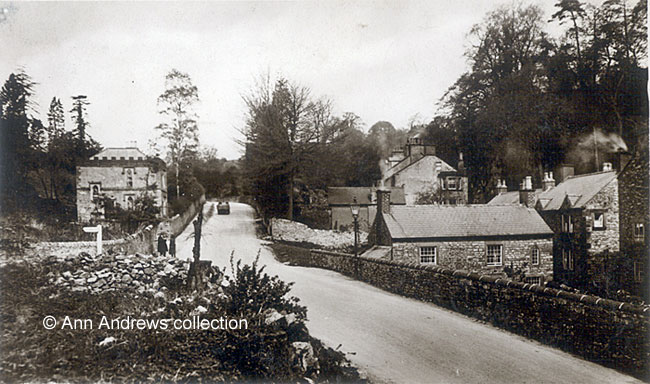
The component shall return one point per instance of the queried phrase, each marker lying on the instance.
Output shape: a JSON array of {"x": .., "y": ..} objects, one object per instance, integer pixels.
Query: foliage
[
  {"x": 144, "y": 212},
  {"x": 180, "y": 129},
  {"x": 430, "y": 196},
  {"x": 529, "y": 99}
]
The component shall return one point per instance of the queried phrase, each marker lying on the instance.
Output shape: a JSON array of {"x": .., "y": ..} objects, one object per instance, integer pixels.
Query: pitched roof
[
  {"x": 509, "y": 198},
  {"x": 119, "y": 154},
  {"x": 436, "y": 221},
  {"x": 408, "y": 161},
  {"x": 578, "y": 190},
  {"x": 364, "y": 195}
]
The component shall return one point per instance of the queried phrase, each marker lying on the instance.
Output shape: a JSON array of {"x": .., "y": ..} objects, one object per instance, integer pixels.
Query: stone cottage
[
  {"x": 634, "y": 211},
  {"x": 340, "y": 199},
  {"x": 583, "y": 212},
  {"x": 417, "y": 169},
  {"x": 507, "y": 240},
  {"x": 119, "y": 175}
]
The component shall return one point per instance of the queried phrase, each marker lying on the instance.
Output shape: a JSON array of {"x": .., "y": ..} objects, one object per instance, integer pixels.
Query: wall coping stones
[{"x": 591, "y": 300}]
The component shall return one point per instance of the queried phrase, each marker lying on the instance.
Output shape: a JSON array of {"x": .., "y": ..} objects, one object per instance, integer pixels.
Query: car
[{"x": 223, "y": 208}]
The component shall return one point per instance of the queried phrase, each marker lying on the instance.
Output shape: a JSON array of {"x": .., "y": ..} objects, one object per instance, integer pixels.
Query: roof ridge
[{"x": 589, "y": 174}]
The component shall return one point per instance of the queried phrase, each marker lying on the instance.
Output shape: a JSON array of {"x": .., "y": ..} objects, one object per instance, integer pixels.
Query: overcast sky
[{"x": 381, "y": 60}]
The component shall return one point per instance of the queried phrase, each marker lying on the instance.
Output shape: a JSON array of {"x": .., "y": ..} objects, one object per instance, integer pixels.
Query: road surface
[{"x": 391, "y": 338}]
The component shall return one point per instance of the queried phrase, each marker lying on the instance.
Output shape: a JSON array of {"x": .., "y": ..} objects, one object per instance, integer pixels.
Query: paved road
[{"x": 396, "y": 339}]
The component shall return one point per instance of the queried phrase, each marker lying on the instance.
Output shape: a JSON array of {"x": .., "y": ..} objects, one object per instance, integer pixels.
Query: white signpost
[{"x": 98, "y": 231}]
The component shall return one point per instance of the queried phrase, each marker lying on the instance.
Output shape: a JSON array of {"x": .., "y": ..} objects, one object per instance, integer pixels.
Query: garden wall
[
  {"x": 611, "y": 333},
  {"x": 142, "y": 241}
]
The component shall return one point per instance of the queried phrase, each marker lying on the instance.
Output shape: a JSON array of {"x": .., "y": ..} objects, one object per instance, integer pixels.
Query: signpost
[{"x": 98, "y": 231}]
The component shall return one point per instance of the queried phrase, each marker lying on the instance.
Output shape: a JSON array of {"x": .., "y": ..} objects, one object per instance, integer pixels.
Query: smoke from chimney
[{"x": 594, "y": 148}]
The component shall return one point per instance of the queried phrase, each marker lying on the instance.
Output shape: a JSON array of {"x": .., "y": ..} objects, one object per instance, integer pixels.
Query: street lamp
[{"x": 355, "y": 216}]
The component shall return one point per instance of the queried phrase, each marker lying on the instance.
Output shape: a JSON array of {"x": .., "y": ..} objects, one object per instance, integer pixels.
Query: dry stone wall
[{"x": 608, "y": 332}]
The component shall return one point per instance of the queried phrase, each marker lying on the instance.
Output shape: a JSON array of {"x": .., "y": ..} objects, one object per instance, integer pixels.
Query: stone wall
[
  {"x": 470, "y": 255},
  {"x": 143, "y": 241},
  {"x": 634, "y": 210},
  {"x": 296, "y": 232},
  {"x": 611, "y": 333}
]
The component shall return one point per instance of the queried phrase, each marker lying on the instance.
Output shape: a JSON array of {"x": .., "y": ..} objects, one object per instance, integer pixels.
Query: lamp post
[{"x": 355, "y": 216}]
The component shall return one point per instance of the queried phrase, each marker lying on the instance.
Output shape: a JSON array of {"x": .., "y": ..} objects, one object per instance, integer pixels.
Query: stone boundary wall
[
  {"x": 142, "y": 241},
  {"x": 608, "y": 332}
]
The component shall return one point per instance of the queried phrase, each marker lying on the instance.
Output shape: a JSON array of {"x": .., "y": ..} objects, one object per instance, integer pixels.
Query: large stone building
[
  {"x": 119, "y": 176},
  {"x": 634, "y": 211},
  {"x": 508, "y": 240},
  {"x": 418, "y": 170},
  {"x": 341, "y": 199}
]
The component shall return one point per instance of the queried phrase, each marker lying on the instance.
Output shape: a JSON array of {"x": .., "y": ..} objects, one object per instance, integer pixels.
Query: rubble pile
[
  {"x": 297, "y": 232},
  {"x": 142, "y": 273}
]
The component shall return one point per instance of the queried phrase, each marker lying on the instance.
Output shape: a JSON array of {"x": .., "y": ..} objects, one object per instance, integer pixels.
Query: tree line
[
  {"x": 530, "y": 102},
  {"x": 37, "y": 160}
]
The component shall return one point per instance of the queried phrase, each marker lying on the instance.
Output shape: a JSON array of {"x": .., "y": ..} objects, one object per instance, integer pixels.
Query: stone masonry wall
[
  {"x": 635, "y": 209},
  {"x": 608, "y": 332},
  {"x": 471, "y": 256}
]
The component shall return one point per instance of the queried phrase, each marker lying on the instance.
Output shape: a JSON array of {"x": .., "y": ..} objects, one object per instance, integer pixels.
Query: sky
[{"x": 389, "y": 61}]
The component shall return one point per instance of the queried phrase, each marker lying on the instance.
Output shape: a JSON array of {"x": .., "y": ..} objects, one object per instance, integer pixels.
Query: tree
[
  {"x": 181, "y": 129},
  {"x": 79, "y": 118},
  {"x": 16, "y": 108},
  {"x": 55, "y": 119}
]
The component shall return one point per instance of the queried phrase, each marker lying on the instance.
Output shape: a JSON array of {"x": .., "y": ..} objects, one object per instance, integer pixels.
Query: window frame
[
  {"x": 487, "y": 255},
  {"x": 568, "y": 261},
  {"x": 129, "y": 173},
  {"x": 428, "y": 256},
  {"x": 639, "y": 231},
  {"x": 92, "y": 193},
  {"x": 603, "y": 226},
  {"x": 448, "y": 182},
  {"x": 638, "y": 271},
  {"x": 535, "y": 256}
]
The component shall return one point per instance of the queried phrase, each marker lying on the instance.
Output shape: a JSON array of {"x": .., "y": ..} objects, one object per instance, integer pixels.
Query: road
[{"x": 391, "y": 338}]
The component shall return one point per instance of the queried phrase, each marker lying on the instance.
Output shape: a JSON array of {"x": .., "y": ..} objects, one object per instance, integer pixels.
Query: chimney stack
[
  {"x": 622, "y": 158},
  {"x": 526, "y": 192},
  {"x": 564, "y": 171},
  {"x": 607, "y": 167},
  {"x": 383, "y": 200},
  {"x": 461, "y": 163},
  {"x": 501, "y": 187},
  {"x": 548, "y": 181}
]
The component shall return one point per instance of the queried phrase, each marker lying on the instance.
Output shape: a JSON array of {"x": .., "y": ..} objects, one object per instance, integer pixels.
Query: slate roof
[
  {"x": 364, "y": 195},
  {"x": 119, "y": 154},
  {"x": 510, "y": 198},
  {"x": 444, "y": 221},
  {"x": 577, "y": 189}
]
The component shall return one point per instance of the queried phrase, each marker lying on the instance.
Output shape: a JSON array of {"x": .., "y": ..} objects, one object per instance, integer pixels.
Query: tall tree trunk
[
  {"x": 178, "y": 189},
  {"x": 290, "y": 213}
]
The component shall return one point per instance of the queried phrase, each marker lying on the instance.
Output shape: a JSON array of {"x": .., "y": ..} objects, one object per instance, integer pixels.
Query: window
[
  {"x": 95, "y": 191},
  {"x": 533, "y": 280},
  {"x": 567, "y": 223},
  {"x": 452, "y": 183},
  {"x": 129, "y": 177},
  {"x": 567, "y": 260},
  {"x": 494, "y": 253},
  {"x": 639, "y": 232},
  {"x": 534, "y": 257},
  {"x": 599, "y": 220},
  {"x": 637, "y": 272},
  {"x": 428, "y": 255},
  {"x": 129, "y": 202}
]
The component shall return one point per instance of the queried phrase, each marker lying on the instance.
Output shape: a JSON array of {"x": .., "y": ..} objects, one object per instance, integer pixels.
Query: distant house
[
  {"x": 119, "y": 175},
  {"x": 340, "y": 199},
  {"x": 634, "y": 211},
  {"x": 583, "y": 211},
  {"x": 417, "y": 169},
  {"x": 497, "y": 240}
]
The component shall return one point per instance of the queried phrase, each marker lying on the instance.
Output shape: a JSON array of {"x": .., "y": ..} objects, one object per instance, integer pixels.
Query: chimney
[
  {"x": 622, "y": 158},
  {"x": 563, "y": 172},
  {"x": 501, "y": 187},
  {"x": 548, "y": 181},
  {"x": 607, "y": 167},
  {"x": 383, "y": 200},
  {"x": 461, "y": 163},
  {"x": 526, "y": 192}
]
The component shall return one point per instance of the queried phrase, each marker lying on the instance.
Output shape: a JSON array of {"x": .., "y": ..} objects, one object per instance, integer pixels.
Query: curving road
[{"x": 391, "y": 338}]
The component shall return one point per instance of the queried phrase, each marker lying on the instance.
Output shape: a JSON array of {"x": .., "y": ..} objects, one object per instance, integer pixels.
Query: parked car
[{"x": 223, "y": 208}]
